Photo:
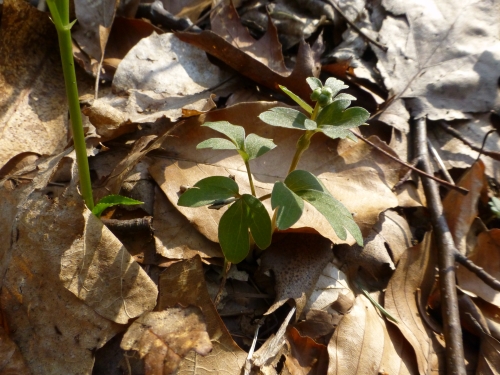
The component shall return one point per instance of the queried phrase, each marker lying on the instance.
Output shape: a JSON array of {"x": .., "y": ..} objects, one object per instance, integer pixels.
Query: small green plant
[
  {"x": 246, "y": 220},
  {"x": 59, "y": 10}
]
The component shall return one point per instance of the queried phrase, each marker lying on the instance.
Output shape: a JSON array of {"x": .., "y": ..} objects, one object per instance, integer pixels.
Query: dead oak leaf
[
  {"x": 260, "y": 60},
  {"x": 163, "y": 338}
]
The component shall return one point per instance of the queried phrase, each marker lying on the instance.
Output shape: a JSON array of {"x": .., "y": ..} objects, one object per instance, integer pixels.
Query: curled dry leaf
[
  {"x": 306, "y": 356},
  {"x": 260, "y": 60},
  {"x": 415, "y": 272},
  {"x": 175, "y": 237},
  {"x": 297, "y": 263},
  {"x": 364, "y": 343},
  {"x": 357, "y": 175},
  {"x": 184, "y": 283},
  {"x": 385, "y": 244},
  {"x": 163, "y": 338},
  {"x": 486, "y": 254},
  {"x": 461, "y": 210},
  {"x": 33, "y": 109}
]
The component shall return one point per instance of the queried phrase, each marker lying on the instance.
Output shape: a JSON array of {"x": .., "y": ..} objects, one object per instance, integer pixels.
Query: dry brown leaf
[
  {"x": 363, "y": 344},
  {"x": 33, "y": 109},
  {"x": 489, "y": 356},
  {"x": 260, "y": 60},
  {"x": 461, "y": 210},
  {"x": 175, "y": 237},
  {"x": 486, "y": 255},
  {"x": 385, "y": 244},
  {"x": 357, "y": 175},
  {"x": 415, "y": 271},
  {"x": 163, "y": 338},
  {"x": 11, "y": 359},
  {"x": 306, "y": 356},
  {"x": 443, "y": 56},
  {"x": 297, "y": 262},
  {"x": 186, "y": 8},
  {"x": 184, "y": 283}
]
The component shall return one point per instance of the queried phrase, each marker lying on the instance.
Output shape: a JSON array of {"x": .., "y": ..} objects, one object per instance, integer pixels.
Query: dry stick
[
  {"x": 442, "y": 182},
  {"x": 358, "y": 30},
  {"x": 478, "y": 271},
  {"x": 455, "y": 362}
]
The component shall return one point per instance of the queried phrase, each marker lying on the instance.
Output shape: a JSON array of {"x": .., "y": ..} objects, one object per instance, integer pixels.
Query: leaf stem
[
  {"x": 250, "y": 179},
  {"x": 302, "y": 145},
  {"x": 63, "y": 27}
]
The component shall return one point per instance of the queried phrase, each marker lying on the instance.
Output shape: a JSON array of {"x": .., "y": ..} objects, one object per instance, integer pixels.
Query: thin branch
[
  {"x": 420, "y": 172},
  {"x": 358, "y": 30},
  {"x": 478, "y": 271},
  {"x": 455, "y": 362},
  {"x": 448, "y": 129}
]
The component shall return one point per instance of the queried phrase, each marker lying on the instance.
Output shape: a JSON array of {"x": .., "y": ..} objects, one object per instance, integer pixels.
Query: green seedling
[
  {"x": 246, "y": 221},
  {"x": 59, "y": 10}
]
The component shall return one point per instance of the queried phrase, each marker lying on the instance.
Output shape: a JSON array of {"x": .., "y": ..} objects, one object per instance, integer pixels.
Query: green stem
[
  {"x": 302, "y": 145},
  {"x": 63, "y": 27},
  {"x": 250, "y": 179}
]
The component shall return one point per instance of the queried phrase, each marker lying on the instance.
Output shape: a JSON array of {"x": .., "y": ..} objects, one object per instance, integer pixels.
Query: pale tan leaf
[
  {"x": 184, "y": 283},
  {"x": 362, "y": 344},
  {"x": 175, "y": 237},
  {"x": 415, "y": 271},
  {"x": 163, "y": 338}
]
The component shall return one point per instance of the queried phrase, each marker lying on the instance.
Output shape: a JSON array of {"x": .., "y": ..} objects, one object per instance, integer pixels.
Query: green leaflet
[
  {"x": 113, "y": 200},
  {"x": 287, "y": 118},
  {"x": 235, "y": 133},
  {"x": 290, "y": 206},
  {"x": 208, "y": 191},
  {"x": 297, "y": 99},
  {"x": 256, "y": 146}
]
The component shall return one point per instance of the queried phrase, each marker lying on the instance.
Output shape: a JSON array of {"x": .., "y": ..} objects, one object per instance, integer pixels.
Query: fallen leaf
[
  {"x": 357, "y": 175},
  {"x": 163, "y": 338},
  {"x": 11, "y": 359},
  {"x": 406, "y": 297},
  {"x": 486, "y": 254},
  {"x": 175, "y": 237},
  {"x": 184, "y": 283},
  {"x": 306, "y": 356},
  {"x": 364, "y": 344},
  {"x": 186, "y": 8},
  {"x": 461, "y": 210},
  {"x": 33, "y": 109},
  {"x": 260, "y": 60},
  {"x": 442, "y": 58},
  {"x": 489, "y": 356},
  {"x": 297, "y": 262}
]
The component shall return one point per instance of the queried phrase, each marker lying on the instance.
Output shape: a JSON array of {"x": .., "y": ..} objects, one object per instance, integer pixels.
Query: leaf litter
[{"x": 71, "y": 288}]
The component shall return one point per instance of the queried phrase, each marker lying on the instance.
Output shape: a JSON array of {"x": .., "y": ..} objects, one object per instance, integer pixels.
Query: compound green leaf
[
  {"x": 233, "y": 232},
  {"x": 217, "y": 144},
  {"x": 334, "y": 115},
  {"x": 297, "y": 99},
  {"x": 208, "y": 191},
  {"x": 285, "y": 118},
  {"x": 303, "y": 180},
  {"x": 113, "y": 200},
  {"x": 332, "y": 111},
  {"x": 338, "y": 132},
  {"x": 235, "y": 133},
  {"x": 335, "y": 212},
  {"x": 314, "y": 83},
  {"x": 258, "y": 221},
  {"x": 336, "y": 85},
  {"x": 256, "y": 146},
  {"x": 290, "y": 206}
]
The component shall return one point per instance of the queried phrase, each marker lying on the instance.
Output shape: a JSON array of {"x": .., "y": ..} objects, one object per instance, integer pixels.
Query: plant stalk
[
  {"x": 302, "y": 145},
  {"x": 250, "y": 179},
  {"x": 63, "y": 27}
]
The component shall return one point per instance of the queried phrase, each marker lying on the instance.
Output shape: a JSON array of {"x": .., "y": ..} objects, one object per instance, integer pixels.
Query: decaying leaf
[
  {"x": 33, "y": 109},
  {"x": 406, "y": 297},
  {"x": 260, "y": 60},
  {"x": 357, "y": 175},
  {"x": 184, "y": 283},
  {"x": 297, "y": 262},
  {"x": 163, "y": 338},
  {"x": 306, "y": 356},
  {"x": 175, "y": 237},
  {"x": 11, "y": 359},
  {"x": 363, "y": 343},
  {"x": 441, "y": 56}
]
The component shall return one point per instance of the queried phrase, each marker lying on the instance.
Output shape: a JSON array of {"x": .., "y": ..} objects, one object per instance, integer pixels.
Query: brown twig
[
  {"x": 358, "y": 30},
  {"x": 478, "y": 271},
  {"x": 448, "y": 129},
  {"x": 455, "y": 362},
  {"x": 130, "y": 225},
  {"x": 419, "y": 171}
]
